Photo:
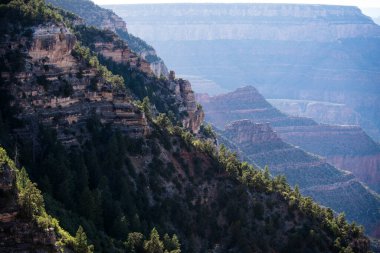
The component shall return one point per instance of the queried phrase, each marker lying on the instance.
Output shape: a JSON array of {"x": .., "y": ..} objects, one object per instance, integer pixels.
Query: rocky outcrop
[
  {"x": 184, "y": 93},
  {"x": 101, "y": 18},
  {"x": 62, "y": 92},
  {"x": 248, "y": 120},
  {"x": 53, "y": 43},
  {"x": 122, "y": 54},
  {"x": 127, "y": 64},
  {"x": 346, "y": 147},
  {"x": 326, "y": 184},
  {"x": 245, "y": 131},
  {"x": 245, "y": 103}
]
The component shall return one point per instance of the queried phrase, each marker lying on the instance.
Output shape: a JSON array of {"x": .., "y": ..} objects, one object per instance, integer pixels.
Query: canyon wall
[
  {"x": 248, "y": 120},
  {"x": 62, "y": 92},
  {"x": 104, "y": 19},
  {"x": 329, "y": 186},
  {"x": 346, "y": 147},
  {"x": 303, "y": 52},
  {"x": 284, "y": 22},
  {"x": 322, "y": 112}
]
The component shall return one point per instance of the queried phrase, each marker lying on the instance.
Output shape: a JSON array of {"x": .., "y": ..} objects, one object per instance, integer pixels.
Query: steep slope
[
  {"x": 304, "y": 52},
  {"x": 345, "y": 147},
  {"x": 94, "y": 15},
  {"x": 24, "y": 224},
  {"x": 121, "y": 184},
  {"x": 18, "y": 235},
  {"x": 315, "y": 177},
  {"x": 299, "y": 167}
]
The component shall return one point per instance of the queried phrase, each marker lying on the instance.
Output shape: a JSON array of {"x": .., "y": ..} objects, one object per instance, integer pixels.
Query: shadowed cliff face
[
  {"x": 259, "y": 144},
  {"x": 346, "y": 147},
  {"x": 62, "y": 91},
  {"x": 327, "y": 185},
  {"x": 308, "y": 52}
]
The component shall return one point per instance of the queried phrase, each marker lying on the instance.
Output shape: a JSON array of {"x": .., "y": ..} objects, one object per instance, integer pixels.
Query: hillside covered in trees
[{"x": 122, "y": 161}]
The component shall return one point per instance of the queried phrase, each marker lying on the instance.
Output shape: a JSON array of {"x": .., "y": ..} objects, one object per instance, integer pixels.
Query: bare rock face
[
  {"x": 346, "y": 147},
  {"x": 112, "y": 22},
  {"x": 245, "y": 114},
  {"x": 60, "y": 91},
  {"x": 107, "y": 20},
  {"x": 53, "y": 43},
  {"x": 364, "y": 167},
  {"x": 327, "y": 185},
  {"x": 184, "y": 93},
  {"x": 122, "y": 54},
  {"x": 247, "y": 131},
  {"x": 245, "y": 103},
  {"x": 159, "y": 68}
]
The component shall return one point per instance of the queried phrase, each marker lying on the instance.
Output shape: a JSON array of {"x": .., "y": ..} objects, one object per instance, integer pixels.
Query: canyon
[
  {"x": 119, "y": 153},
  {"x": 320, "y": 53},
  {"x": 263, "y": 135},
  {"x": 105, "y": 19}
]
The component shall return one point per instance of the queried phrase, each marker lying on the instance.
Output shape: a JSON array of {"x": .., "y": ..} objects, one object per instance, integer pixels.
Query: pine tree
[
  {"x": 30, "y": 197},
  {"x": 81, "y": 242},
  {"x": 154, "y": 245},
  {"x": 134, "y": 242}
]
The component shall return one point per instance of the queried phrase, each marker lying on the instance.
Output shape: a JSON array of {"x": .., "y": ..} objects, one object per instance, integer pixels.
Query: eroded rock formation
[
  {"x": 105, "y": 19},
  {"x": 320, "y": 53},
  {"x": 327, "y": 185},
  {"x": 346, "y": 147},
  {"x": 62, "y": 92}
]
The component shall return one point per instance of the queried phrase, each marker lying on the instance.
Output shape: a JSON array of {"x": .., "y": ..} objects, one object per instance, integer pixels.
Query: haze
[{"x": 361, "y": 3}]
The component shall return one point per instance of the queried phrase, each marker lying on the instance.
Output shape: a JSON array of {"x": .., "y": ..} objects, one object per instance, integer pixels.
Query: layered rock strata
[
  {"x": 345, "y": 147},
  {"x": 320, "y": 53},
  {"x": 101, "y": 18},
  {"x": 327, "y": 185},
  {"x": 60, "y": 91}
]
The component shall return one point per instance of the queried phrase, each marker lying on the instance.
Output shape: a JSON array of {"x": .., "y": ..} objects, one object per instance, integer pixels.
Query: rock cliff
[
  {"x": 316, "y": 178},
  {"x": 120, "y": 187},
  {"x": 105, "y": 19},
  {"x": 346, "y": 147},
  {"x": 321, "y": 53},
  {"x": 246, "y": 103},
  {"x": 322, "y": 112},
  {"x": 284, "y": 22},
  {"x": 62, "y": 92}
]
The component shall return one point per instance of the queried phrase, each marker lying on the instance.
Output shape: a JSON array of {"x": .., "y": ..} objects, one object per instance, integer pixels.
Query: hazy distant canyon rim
[{"x": 326, "y": 54}]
